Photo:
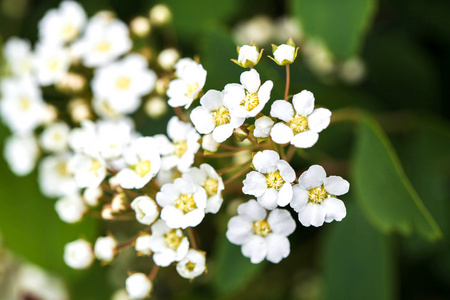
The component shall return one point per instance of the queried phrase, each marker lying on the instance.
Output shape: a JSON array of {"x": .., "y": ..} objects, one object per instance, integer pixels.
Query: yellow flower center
[
  {"x": 123, "y": 83},
  {"x": 53, "y": 65},
  {"x": 96, "y": 165},
  {"x": 221, "y": 116},
  {"x": 61, "y": 167},
  {"x": 211, "y": 186},
  {"x": 317, "y": 194},
  {"x": 69, "y": 32},
  {"x": 261, "y": 228},
  {"x": 180, "y": 148},
  {"x": 185, "y": 203},
  {"x": 103, "y": 47},
  {"x": 190, "y": 266},
  {"x": 191, "y": 89},
  {"x": 142, "y": 167},
  {"x": 172, "y": 240},
  {"x": 274, "y": 180},
  {"x": 24, "y": 103},
  {"x": 250, "y": 101},
  {"x": 298, "y": 123}
]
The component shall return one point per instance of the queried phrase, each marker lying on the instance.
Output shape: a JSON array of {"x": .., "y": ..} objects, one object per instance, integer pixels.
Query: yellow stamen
[
  {"x": 211, "y": 186},
  {"x": 190, "y": 266},
  {"x": 123, "y": 83},
  {"x": 172, "y": 240},
  {"x": 103, "y": 46},
  {"x": 142, "y": 168},
  {"x": 317, "y": 194},
  {"x": 221, "y": 116},
  {"x": 53, "y": 65},
  {"x": 180, "y": 148},
  {"x": 24, "y": 103},
  {"x": 261, "y": 228},
  {"x": 69, "y": 31},
  {"x": 96, "y": 165},
  {"x": 298, "y": 123},
  {"x": 274, "y": 180},
  {"x": 250, "y": 101},
  {"x": 191, "y": 89},
  {"x": 185, "y": 203},
  {"x": 62, "y": 169}
]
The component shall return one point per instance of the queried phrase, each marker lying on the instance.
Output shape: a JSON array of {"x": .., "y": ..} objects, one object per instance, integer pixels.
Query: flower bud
[
  {"x": 140, "y": 26},
  {"x": 285, "y": 53},
  {"x": 156, "y": 107},
  {"x": 107, "y": 212},
  {"x": 79, "y": 110},
  {"x": 160, "y": 15},
  {"x": 167, "y": 58},
  {"x": 209, "y": 144},
  {"x": 105, "y": 248},
  {"x": 78, "y": 254},
  {"x": 138, "y": 286},
  {"x": 142, "y": 245},
  {"x": 70, "y": 208},
  {"x": 248, "y": 56},
  {"x": 92, "y": 195},
  {"x": 263, "y": 126},
  {"x": 119, "y": 203},
  {"x": 146, "y": 209},
  {"x": 71, "y": 82}
]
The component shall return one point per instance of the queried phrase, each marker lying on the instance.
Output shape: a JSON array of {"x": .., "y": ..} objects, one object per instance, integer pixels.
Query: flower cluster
[{"x": 106, "y": 168}]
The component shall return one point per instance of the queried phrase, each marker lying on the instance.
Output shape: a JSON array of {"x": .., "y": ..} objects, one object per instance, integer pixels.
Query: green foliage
[
  {"x": 382, "y": 188},
  {"x": 341, "y": 25}
]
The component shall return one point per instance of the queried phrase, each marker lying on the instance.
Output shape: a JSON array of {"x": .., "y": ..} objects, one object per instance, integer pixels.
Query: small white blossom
[
  {"x": 248, "y": 98},
  {"x": 21, "y": 153},
  {"x": 263, "y": 126},
  {"x": 192, "y": 265},
  {"x": 138, "y": 286},
  {"x": 18, "y": 55},
  {"x": 114, "y": 136},
  {"x": 89, "y": 171},
  {"x": 284, "y": 54},
  {"x": 315, "y": 197},
  {"x": 146, "y": 209},
  {"x": 209, "y": 143},
  {"x": 55, "y": 178},
  {"x": 261, "y": 236},
  {"x": 271, "y": 182},
  {"x": 105, "y": 248},
  {"x": 142, "y": 244},
  {"x": 183, "y": 203},
  {"x": 168, "y": 244},
  {"x": 84, "y": 139},
  {"x": 248, "y": 56},
  {"x": 78, "y": 254},
  {"x": 70, "y": 208},
  {"x": 301, "y": 122},
  {"x": 54, "y": 137},
  {"x": 214, "y": 116},
  {"x": 51, "y": 63},
  {"x": 143, "y": 163}
]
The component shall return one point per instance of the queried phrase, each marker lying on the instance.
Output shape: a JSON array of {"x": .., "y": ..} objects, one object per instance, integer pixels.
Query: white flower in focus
[
  {"x": 184, "y": 90},
  {"x": 21, "y": 106},
  {"x": 263, "y": 126},
  {"x": 271, "y": 182},
  {"x": 70, "y": 208},
  {"x": 301, "y": 122},
  {"x": 21, "y": 153},
  {"x": 183, "y": 203},
  {"x": 168, "y": 244},
  {"x": 143, "y": 243},
  {"x": 123, "y": 83},
  {"x": 181, "y": 151},
  {"x": 192, "y": 265},
  {"x": 146, "y": 209},
  {"x": 55, "y": 178},
  {"x": 104, "y": 40},
  {"x": 206, "y": 177},
  {"x": 261, "y": 236},
  {"x": 315, "y": 197},
  {"x": 18, "y": 55},
  {"x": 89, "y": 171},
  {"x": 143, "y": 163},
  {"x": 78, "y": 254},
  {"x": 138, "y": 286},
  {"x": 51, "y": 63},
  {"x": 284, "y": 54},
  {"x": 54, "y": 137},
  {"x": 105, "y": 248},
  {"x": 214, "y": 116},
  {"x": 209, "y": 144},
  {"x": 248, "y": 98},
  {"x": 248, "y": 56},
  {"x": 62, "y": 25}
]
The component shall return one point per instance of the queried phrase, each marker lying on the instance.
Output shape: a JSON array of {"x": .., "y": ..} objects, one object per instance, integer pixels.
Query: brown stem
[
  {"x": 237, "y": 175},
  {"x": 222, "y": 154},
  {"x": 126, "y": 244},
  {"x": 180, "y": 114},
  {"x": 153, "y": 272},
  {"x": 290, "y": 153},
  {"x": 288, "y": 80},
  {"x": 232, "y": 168},
  {"x": 192, "y": 238}
]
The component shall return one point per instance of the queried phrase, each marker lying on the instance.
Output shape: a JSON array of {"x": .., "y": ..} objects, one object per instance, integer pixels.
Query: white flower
[
  {"x": 51, "y": 63},
  {"x": 192, "y": 265},
  {"x": 92, "y": 195},
  {"x": 21, "y": 153},
  {"x": 169, "y": 245},
  {"x": 123, "y": 83},
  {"x": 89, "y": 171},
  {"x": 70, "y": 208},
  {"x": 55, "y": 178},
  {"x": 114, "y": 136},
  {"x": 284, "y": 54},
  {"x": 54, "y": 137},
  {"x": 248, "y": 98},
  {"x": 104, "y": 40},
  {"x": 21, "y": 107},
  {"x": 84, "y": 138},
  {"x": 207, "y": 177},
  {"x": 183, "y": 203},
  {"x": 214, "y": 116},
  {"x": 18, "y": 55},
  {"x": 261, "y": 236},
  {"x": 181, "y": 151},
  {"x": 263, "y": 126},
  {"x": 142, "y": 244},
  {"x": 138, "y": 286},
  {"x": 146, "y": 209},
  {"x": 301, "y": 122},
  {"x": 62, "y": 25},
  {"x": 143, "y": 161},
  {"x": 105, "y": 248},
  {"x": 248, "y": 56},
  {"x": 78, "y": 254},
  {"x": 315, "y": 197},
  {"x": 271, "y": 182},
  {"x": 185, "y": 89},
  {"x": 209, "y": 144}
]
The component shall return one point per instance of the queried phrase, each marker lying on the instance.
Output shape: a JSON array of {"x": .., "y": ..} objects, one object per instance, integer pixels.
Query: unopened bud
[
  {"x": 79, "y": 110},
  {"x": 160, "y": 15},
  {"x": 140, "y": 26},
  {"x": 50, "y": 114},
  {"x": 167, "y": 58},
  {"x": 156, "y": 107},
  {"x": 209, "y": 144},
  {"x": 107, "y": 213},
  {"x": 161, "y": 86},
  {"x": 119, "y": 203},
  {"x": 240, "y": 134},
  {"x": 72, "y": 83}
]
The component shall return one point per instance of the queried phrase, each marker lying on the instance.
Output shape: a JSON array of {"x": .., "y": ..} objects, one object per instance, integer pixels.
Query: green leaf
[
  {"x": 357, "y": 261},
  {"x": 341, "y": 25},
  {"x": 382, "y": 188}
]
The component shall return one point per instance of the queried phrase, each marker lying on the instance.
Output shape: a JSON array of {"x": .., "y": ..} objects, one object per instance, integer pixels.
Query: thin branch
[{"x": 237, "y": 175}]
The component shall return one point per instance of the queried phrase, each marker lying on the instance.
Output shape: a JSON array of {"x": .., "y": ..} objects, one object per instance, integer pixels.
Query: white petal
[
  {"x": 239, "y": 230},
  {"x": 203, "y": 120},
  {"x": 254, "y": 184},
  {"x": 281, "y": 222},
  {"x": 313, "y": 214},
  {"x": 303, "y": 102},
  {"x": 313, "y": 177},
  {"x": 319, "y": 119},
  {"x": 164, "y": 259},
  {"x": 268, "y": 200},
  {"x": 282, "y": 110},
  {"x": 299, "y": 198},
  {"x": 286, "y": 171},
  {"x": 285, "y": 194},
  {"x": 266, "y": 161},
  {"x": 264, "y": 92},
  {"x": 252, "y": 211},
  {"x": 335, "y": 209},
  {"x": 281, "y": 133},
  {"x": 212, "y": 100},
  {"x": 255, "y": 249},
  {"x": 278, "y": 247},
  {"x": 250, "y": 80},
  {"x": 336, "y": 185},
  {"x": 305, "y": 139},
  {"x": 222, "y": 132}
]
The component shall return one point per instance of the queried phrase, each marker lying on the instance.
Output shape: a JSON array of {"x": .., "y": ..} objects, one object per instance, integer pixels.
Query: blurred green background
[{"x": 390, "y": 137}]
